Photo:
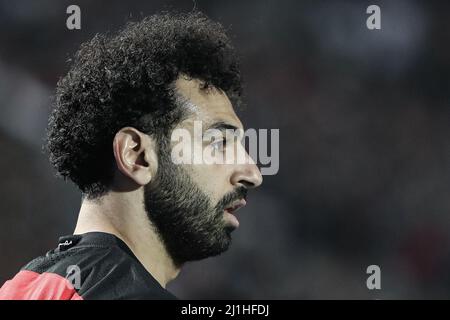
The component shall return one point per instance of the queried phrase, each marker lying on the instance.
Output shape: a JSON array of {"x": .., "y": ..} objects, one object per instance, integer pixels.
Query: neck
[{"x": 118, "y": 214}]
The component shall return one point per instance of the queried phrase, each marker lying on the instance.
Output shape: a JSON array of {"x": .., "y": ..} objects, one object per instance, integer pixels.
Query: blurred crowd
[{"x": 364, "y": 144}]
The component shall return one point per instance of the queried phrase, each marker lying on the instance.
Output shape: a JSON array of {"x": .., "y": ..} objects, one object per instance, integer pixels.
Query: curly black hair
[{"x": 127, "y": 79}]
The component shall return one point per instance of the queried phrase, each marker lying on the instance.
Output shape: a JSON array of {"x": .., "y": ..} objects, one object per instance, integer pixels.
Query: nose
[{"x": 247, "y": 175}]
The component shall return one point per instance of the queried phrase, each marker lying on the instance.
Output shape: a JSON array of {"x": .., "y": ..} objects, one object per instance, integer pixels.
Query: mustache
[{"x": 229, "y": 198}]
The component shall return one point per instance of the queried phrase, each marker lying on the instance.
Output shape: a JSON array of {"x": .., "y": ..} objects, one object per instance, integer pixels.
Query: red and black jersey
[{"x": 93, "y": 265}]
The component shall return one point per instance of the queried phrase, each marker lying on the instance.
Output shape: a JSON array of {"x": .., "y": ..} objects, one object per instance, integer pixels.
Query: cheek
[{"x": 212, "y": 179}]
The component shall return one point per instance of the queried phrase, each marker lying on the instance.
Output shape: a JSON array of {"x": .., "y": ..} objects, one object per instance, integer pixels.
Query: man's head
[{"x": 115, "y": 112}]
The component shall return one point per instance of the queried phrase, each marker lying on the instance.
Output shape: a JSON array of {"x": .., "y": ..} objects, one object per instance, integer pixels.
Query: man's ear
[{"x": 135, "y": 154}]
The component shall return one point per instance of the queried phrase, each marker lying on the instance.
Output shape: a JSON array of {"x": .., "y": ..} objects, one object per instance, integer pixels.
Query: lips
[{"x": 235, "y": 206}]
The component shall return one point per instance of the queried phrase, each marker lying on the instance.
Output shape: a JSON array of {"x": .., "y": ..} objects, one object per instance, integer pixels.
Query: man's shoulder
[
  {"x": 49, "y": 277},
  {"x": 84, "y": 272}
]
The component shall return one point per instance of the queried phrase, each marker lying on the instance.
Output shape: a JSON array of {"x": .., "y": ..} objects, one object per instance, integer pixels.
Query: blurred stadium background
[{"x": 365, "y": 144}]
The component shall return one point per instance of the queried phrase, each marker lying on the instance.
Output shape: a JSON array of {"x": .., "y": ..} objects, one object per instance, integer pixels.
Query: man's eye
[{"x": 219, "y": 144}]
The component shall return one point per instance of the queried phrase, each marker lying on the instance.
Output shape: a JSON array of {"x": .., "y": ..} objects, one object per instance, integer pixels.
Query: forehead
[{"x": 209, "y": 105}]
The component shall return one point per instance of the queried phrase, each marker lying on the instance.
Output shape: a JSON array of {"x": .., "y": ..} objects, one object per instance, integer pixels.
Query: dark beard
[{"x": 190, "y": 227}]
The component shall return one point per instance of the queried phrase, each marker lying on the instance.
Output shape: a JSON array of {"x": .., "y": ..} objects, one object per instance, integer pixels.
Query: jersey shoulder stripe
[{"x": 30, "y": 285}]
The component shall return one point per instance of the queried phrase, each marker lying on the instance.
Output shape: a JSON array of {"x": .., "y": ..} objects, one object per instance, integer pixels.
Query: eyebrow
[{"x": 221, "y": 125}]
